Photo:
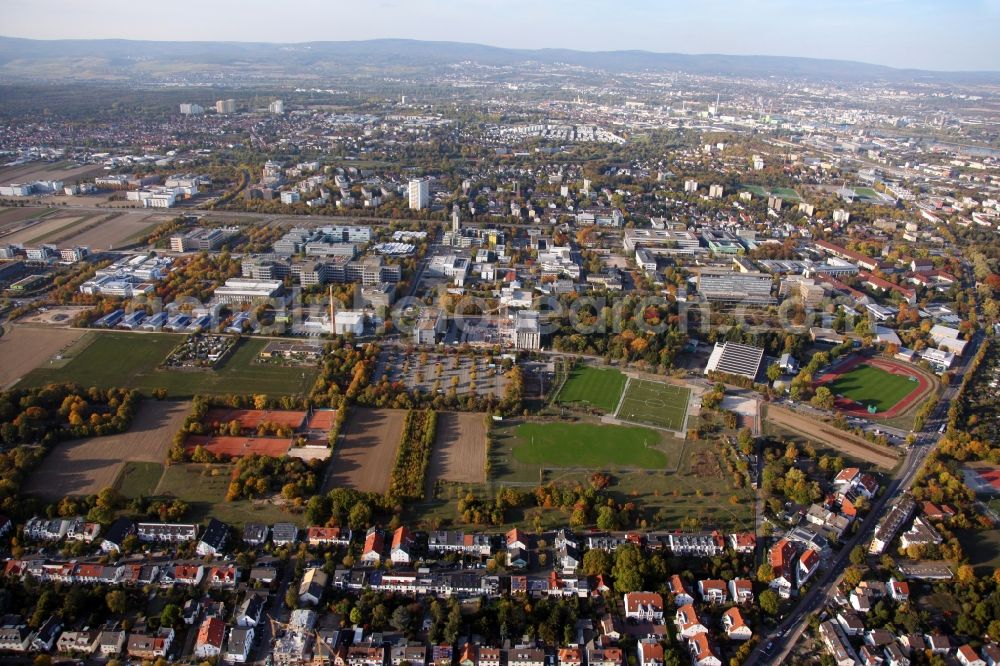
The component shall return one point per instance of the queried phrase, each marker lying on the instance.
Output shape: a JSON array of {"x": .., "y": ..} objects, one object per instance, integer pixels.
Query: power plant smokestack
[{"x": 333, "y": 322}]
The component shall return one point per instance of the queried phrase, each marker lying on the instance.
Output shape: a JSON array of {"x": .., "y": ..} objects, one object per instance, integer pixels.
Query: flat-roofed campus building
[
  {"x": 241, "y": 290},
  {"x": 662, "y": 241},
  {"x": 722, "y": 285}
]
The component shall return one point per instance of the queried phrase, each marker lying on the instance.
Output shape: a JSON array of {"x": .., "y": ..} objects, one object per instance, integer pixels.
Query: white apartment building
[{"x": 420, "y": 193}]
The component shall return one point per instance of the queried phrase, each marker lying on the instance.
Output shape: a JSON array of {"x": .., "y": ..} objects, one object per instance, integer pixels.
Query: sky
[{"x": 925, "y": 34}]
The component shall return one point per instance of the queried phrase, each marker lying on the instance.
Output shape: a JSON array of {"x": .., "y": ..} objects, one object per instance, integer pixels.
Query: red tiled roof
[
  {"x": 635, "y": 599},
  {"x": 211, "y": 632}
]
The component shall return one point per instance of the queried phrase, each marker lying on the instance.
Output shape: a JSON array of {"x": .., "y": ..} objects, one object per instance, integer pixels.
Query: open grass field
[
  {"x": 869, "y": 385},
  {"x": 558, "y": 444},
  {"x": 115, "y": 358},
  {"x": 982, "y": 548},
  {"x": 138, "y": 479},
  {"x": 587, "y": 386},
  {"x": 203, "y": 487},
  {"x": 24, "y": 349},
  {"x": 367, "y": 453},
  {"x": 695, "y": 491},
  {"x": 655, "y": 403},
  {"x": 86, "y": 466},
  {"x": 459, "y": 453}
]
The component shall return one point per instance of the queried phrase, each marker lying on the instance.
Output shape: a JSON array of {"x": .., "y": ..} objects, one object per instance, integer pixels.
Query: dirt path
[{"x": 833, "y": 437}]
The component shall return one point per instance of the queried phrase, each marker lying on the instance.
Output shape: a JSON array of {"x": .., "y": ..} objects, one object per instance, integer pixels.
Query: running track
[{"x": 851, "y": 408}]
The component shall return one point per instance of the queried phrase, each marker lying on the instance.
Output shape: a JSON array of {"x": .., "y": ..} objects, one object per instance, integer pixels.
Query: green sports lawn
[
  {"x": 787, "y": 194},
  {"x": 655, "y": 403},
  {"x": 595, "y": 387},
  {"x": 869, "y": 385},
  {"x": 866, "y": 192},
  {"x": 756, "y": 190},
  {"x": 112, "y": 359},
  {"x": 588, "y": 445}
]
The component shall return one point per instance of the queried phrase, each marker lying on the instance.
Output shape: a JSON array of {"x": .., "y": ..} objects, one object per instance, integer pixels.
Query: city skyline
[{"x": 897, "y": 33}]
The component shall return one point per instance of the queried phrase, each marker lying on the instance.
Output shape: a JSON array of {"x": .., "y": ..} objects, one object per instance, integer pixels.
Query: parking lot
[{"x": 432, "y": 371}]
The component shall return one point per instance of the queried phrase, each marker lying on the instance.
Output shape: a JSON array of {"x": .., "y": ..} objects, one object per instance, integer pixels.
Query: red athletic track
[{"x": 851, "y": 408}]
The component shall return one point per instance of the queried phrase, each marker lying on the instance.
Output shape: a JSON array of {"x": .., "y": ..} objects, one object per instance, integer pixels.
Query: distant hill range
[{"x": 119, "y": 59}]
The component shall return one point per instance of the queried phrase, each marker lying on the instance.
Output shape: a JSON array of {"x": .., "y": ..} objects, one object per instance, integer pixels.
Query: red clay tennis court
[{"x": 237, "y": 447}]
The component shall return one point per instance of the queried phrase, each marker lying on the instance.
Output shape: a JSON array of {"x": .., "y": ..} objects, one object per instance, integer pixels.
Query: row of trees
[{"x": 413, "y": 456}]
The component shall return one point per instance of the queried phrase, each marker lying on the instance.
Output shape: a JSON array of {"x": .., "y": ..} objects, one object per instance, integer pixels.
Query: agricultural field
[
  {"x": 51, "y": 229},
  {"x": 599, "y": 388},
  {"x": 13, "y": 220},
  {"x": 367, "y": 452},
  {"x": 655, "y": 404},
  {"x": 132, "y": 360},
  {"x": 203, "y": 487},
  {"x": 86, "y": 466},
  {"x": 869, "y": 385},
  {"x": 106, "y": 231},
  {"x": 24, "y": 349},
  {"x": 66, "y": 171},
  {"x": 459, "y": 453}
]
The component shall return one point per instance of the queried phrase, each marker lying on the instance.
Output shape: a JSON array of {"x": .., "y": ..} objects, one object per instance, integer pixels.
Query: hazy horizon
[{"x": 916, "y": 34}]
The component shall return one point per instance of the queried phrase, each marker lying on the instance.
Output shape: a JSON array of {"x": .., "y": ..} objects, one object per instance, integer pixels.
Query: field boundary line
[{"x": 621, "y": 398}]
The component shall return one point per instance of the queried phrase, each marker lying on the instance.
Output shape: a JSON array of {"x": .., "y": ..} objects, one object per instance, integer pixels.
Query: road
[
  {"x": 787, "y": 633},
  {"x": 267, "y": 218}
]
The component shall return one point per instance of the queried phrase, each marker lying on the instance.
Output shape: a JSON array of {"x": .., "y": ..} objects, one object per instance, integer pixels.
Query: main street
[
  {"x": 784, "y": 638},
  {"x": 263, "y": 218}
]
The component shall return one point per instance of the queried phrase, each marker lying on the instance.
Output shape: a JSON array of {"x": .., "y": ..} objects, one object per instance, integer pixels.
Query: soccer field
[
  {"x": 655, "y": 404},
  {"x": 593, "y": 387},
  {"x": 787, "y": 194},
  {"x": 869, "y": 385},
  {"x": 866, "y": 192},
  {"x": 585, "y": 445}
]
